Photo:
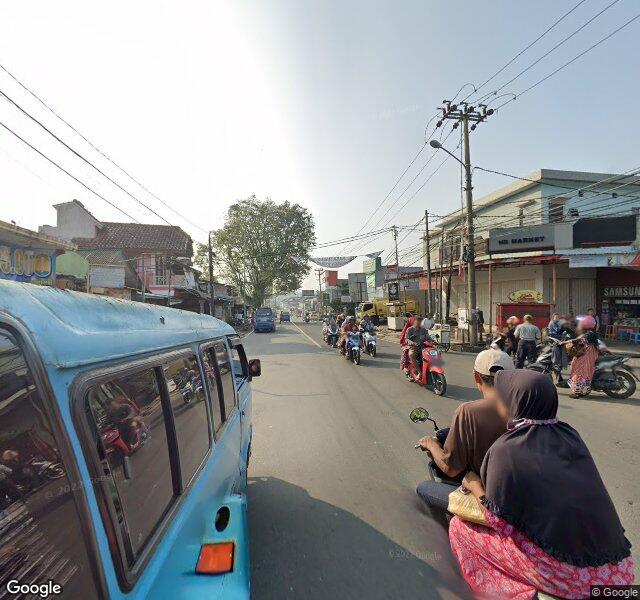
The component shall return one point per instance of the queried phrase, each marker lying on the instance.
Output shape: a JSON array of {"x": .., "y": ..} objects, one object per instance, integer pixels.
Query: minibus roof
[{"x": 71, "y": 329}]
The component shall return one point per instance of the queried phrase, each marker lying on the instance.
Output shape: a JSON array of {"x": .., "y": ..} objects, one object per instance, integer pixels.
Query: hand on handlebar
[{"x": 426, "y": 442}]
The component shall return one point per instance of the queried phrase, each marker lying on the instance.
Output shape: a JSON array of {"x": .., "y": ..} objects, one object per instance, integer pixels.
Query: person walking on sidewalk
[{"x": 528, "y": 336}]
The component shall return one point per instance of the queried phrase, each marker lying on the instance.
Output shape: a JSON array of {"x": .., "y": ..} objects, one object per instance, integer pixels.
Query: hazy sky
[{"x": 322, "y": 103}]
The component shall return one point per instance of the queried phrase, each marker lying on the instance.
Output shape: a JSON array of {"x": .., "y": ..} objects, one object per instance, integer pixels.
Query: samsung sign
[{"x": 522, "y": 239}]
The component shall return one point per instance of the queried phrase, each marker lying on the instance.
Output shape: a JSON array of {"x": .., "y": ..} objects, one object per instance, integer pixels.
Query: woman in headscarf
[
  {"x": 584, "y": 350},
  {"x": 404, "y": 354},
  {"x": 552, "y": 526}
]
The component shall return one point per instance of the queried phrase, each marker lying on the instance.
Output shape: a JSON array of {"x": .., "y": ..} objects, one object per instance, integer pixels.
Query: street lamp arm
[{"x": 438, "y": 146}]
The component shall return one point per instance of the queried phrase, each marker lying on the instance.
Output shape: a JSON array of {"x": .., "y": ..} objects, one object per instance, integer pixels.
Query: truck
[{"x": 376, "y": 308}]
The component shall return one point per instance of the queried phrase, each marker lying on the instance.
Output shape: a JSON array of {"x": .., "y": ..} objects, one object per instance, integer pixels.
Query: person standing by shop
[{"x": 528, "y": 336}]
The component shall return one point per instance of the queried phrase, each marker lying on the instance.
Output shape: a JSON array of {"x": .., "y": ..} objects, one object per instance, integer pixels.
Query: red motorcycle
[{"x": 430, "y": 369}]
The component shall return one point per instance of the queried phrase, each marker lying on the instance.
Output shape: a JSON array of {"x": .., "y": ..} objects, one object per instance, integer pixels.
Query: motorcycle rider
[
  {"x": 476, "y": 425},
  {"x": 416, "y": 337},
  {"x": 556, "y": 329},
  {"x": 348, "y": 327}
]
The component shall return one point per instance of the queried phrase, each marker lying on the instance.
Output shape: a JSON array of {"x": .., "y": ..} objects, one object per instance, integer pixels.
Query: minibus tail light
[{"x": 216, "y": 559}]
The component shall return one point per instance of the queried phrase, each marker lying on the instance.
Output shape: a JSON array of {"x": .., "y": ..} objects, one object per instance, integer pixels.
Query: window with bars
[
  {"x": 161, "y": 270},
  {"x": 556, "y": 209}
]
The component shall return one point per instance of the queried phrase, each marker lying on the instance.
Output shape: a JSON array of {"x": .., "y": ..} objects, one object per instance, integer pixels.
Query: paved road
[{"x": 332, "y": 505}]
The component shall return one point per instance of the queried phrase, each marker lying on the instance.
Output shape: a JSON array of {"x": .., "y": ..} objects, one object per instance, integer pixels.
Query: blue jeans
[{"x": 435, "y": 494}]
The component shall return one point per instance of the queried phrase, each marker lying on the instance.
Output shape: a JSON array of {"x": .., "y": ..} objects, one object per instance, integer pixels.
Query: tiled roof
[
  {"x": 140, "y": 237},
  {"x": 103, "y": 257}
]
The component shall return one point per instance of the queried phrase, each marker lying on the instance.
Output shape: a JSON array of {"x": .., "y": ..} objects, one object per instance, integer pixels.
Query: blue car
[
  {"x": 138, "y": 421},
  {"x": 265, "y": 320},
  {"x": 285, "y": 317}
]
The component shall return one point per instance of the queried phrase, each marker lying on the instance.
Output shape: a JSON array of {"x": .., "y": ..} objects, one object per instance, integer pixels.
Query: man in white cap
[{"x": 475, "y": 426}]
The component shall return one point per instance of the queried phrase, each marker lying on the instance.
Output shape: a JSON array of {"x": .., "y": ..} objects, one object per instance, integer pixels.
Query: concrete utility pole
[
  {"x": 211, "y": 311},
  {"x": 464, "y": 114},
  {"x": 320, "y": 302},
  {"x": 394, "y": 229},
  {"x": 427, "y": 241}
]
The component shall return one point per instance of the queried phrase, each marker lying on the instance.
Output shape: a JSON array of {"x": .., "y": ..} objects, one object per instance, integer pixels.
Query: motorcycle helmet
[{"x": 588, "y": 322}]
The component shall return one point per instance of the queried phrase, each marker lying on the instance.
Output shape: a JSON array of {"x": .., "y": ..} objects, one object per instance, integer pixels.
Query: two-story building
[
  {"x": 566, "y": 236},
  {"x": 156, "y": 259}
]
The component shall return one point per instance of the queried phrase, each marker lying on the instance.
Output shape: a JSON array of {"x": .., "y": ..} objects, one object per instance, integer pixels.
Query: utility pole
[
  {"x": 463, "y": 114},
  {"x": 211, "y": 311},
  {"x": 144, "y": 281},
  {"x": 395, "y": 241},
  {"x": 320, "y": 302},
  {"x": 427, "y": 241}
]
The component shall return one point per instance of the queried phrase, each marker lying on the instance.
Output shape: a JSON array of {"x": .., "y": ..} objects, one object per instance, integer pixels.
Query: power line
[
  {"x": 52, "y": 111},
  {"x": 67, "y": 172},
  {"x": 560, "y": 68},
  {"x": 80, "y": 156},
  {"x": 560, "y": 43},
  {"x": 552, "y": 26}
]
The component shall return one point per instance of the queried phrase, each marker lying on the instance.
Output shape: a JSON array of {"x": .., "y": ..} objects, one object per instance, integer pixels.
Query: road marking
[
  {"x": 246, "y": 335},
  {"x": 307, "y": 336}
]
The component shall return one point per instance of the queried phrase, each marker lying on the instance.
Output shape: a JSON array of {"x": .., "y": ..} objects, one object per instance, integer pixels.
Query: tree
[
  {"x": 336, "y": 305},
  {"x": 263, "y": 248}
]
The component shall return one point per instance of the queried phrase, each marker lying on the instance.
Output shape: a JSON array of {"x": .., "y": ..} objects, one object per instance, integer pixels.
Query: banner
[
  {"x": 333, "y": 262},
  {"x": 374, "y": 254}
]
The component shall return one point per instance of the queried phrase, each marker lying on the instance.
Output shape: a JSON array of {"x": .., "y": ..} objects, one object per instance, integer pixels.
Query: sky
[{"x": 322, "y": 103}]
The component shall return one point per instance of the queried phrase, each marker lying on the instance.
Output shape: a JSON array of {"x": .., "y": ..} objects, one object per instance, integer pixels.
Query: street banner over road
[{"x": 332, "y": 262}]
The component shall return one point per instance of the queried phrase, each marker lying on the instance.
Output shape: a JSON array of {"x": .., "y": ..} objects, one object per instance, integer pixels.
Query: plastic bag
[{"x": 466, "y": 506}]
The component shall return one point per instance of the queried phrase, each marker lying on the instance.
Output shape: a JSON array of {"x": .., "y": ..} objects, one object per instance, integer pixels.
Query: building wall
[{"x": 72, "y": 221}]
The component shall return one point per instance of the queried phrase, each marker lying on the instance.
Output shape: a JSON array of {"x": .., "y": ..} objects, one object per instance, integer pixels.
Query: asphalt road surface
[{"x": 332, "y": 506}]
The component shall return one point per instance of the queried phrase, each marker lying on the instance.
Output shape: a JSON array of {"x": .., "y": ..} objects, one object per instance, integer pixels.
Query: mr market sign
[{"x": 522, "y": 239}]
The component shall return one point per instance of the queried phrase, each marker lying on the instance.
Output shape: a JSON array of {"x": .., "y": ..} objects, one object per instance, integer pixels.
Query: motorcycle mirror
[{"x": 419, "y": 415}]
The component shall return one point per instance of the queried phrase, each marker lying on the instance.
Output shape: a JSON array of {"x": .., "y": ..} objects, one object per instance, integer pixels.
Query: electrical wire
[
  {"x": 126, "y": 214},
  {"x": 52, "y": 111}
]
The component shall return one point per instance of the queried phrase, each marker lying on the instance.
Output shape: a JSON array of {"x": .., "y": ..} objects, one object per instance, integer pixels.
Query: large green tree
[{"x": 263, "y": 248}]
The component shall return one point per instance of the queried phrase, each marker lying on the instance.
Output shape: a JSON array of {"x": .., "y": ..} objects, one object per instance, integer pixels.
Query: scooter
[
  {"x": 333, "y": 335},
  {"x": 421, "y": 415},
  {"x": 370, "y": 342},
  {"x": 352, "y": 347},
  {"x": 430, "y": 370},
  {"x": 611, "y": 376},
  {"x": 47, "y": 469}
]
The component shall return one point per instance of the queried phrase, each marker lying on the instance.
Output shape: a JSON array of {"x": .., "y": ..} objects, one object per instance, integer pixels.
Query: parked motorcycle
[
  {"x": 370, "y": 342},
  {"x": 421, "y": 415},
  {"x": 352, "y": 347},
  {"x": 612, "y": 376},
  {"x": 430, "y": 369},
  {"x": 47, "y": 469}
]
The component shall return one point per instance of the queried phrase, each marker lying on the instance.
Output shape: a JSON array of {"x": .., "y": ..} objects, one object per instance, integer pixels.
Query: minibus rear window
[
  {"x": 40, "y": 532},
  {"x": 209, "y": 364},
  {"x": 226, "y": 376}
]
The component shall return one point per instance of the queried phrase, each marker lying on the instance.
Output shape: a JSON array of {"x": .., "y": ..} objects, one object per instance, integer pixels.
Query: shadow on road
[{"x": 302, "y": 547}]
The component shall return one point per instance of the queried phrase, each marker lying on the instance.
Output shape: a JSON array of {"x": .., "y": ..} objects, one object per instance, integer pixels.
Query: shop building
[{"x": 565, "y": 238}]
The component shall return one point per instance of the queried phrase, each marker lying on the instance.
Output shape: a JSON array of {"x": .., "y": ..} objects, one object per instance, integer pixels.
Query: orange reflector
[{"x": 215, "y": 559}]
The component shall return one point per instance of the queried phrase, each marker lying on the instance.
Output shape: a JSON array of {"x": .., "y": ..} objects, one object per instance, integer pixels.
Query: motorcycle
[
  {"x": 421, "y": 415},
  {"x": 352, "y": 347},
  {"x": 429, "y": 371},
  {"x": 611, "y": 376},
  {"x": 333, "y": 335},
  {"x": 370, "y": 342},
  {"x": 46, "y": 469},
  {"x": 306, "y": 318}
]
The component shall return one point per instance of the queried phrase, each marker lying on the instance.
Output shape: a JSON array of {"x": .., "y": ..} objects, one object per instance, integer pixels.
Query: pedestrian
[
  {"x": 428, "y": 322},
  {"x": 528, "y": 336},
  {"x": 584, "y": 350},
  {"x": 511, "y": 343},
  {"x": 555, "y": 330}
]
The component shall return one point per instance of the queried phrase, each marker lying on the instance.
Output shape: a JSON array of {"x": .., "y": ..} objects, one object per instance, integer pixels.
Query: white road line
[{"x": 307, "y": 336}]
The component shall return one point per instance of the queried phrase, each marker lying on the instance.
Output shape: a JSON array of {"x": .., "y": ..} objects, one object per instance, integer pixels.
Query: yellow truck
[{"x": 377, "y": 309}]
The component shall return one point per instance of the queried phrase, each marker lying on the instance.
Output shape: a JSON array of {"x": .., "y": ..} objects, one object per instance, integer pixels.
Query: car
[
  {"x": 285, "y": 316},
  {"x": 264, "y": 320}
]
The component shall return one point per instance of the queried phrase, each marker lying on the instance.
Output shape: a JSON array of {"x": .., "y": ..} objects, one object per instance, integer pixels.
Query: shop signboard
[
  {"x": 588, "y": 260},
  {"x": 621, "y": 291},
  {"x": 308, "y": 293},
  {"x": 22, "y": 264},
  {"x": 372, "y": 265},
  {"x": 525, "y": 296},
  {"x": 522, "y": 239},
  {"x": 331, "y": 278},
  {"x": 345, "y": 299}
]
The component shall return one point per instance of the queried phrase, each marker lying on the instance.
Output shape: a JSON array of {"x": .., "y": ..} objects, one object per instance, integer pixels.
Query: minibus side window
[
  {"x": 190, "y": 414},
  {"x": 40, "y": 531},
  {"x": 239, "y": 362},
  {"x": 127, "y": 418},
  {"x": 226, "y": 376},
  {"x": 209, "y": 364}
]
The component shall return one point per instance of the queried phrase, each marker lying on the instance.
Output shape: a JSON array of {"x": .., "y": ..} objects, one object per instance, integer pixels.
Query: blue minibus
[
  {"x": 125, "y": 437},
  {"x": 265, "y": 320}
]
